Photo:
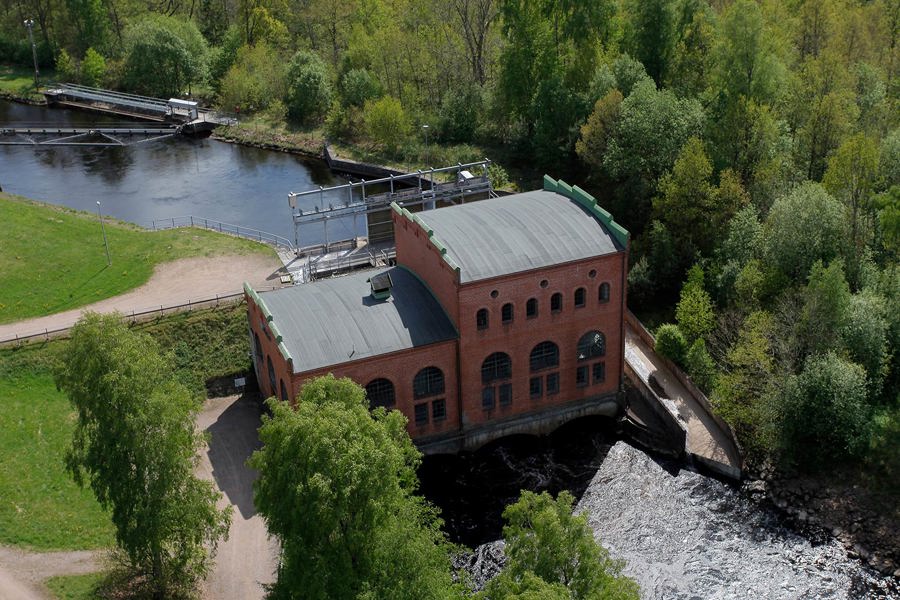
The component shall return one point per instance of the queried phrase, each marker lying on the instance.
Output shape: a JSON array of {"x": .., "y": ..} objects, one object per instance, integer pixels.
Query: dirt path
[
  {"x": 172, "y": 283},
  {"x": 248, "y": 559},
  {"x": 22, "y": 573}
]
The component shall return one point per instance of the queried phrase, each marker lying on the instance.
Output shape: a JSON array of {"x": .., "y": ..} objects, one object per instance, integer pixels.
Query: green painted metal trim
[
  {"x": 396, "y": 208},
  {"x": 589, "y": 203},
  {"x": 270, "y": 319},
  {"x": 440, "y": 246}
]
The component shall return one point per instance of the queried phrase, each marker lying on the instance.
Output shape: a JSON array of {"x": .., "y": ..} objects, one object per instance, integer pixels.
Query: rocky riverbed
[{"x": 688, "y": 536}]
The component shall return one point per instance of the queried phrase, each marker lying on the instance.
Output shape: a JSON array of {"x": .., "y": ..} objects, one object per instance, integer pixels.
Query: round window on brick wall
[
  {"x": 592, "y": 273},
  {"x": 544, "y": 283},
  {"x": 494, "y": 293}
]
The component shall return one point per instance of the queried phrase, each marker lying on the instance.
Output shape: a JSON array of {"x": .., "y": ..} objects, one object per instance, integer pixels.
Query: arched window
[
  {"x": 603, "y": 293},
  {"x": 544, "y": 356},
  {"x": 428, "y": 382},
  {"x": 531, "y": 308},
  {"x": 284, "y": 394},
  {"x": 506, "y": 313},
  {"x": 591, "y": 345},
  {"x": 271, "y": 368},
  {"x": 556, "y": 302},
  {"x": 579, "y": 297},
  {"x": 496, "y": 366},
  {"x": 380, "y": 392},
  {"x": 481, "y": 318}
]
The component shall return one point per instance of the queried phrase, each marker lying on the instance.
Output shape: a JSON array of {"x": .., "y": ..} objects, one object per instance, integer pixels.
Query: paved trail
[
  {"x": 21, "y": 572},
  {"x": 172, "y": 283}
]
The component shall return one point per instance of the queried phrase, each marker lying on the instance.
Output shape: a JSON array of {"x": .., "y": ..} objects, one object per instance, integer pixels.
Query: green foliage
[
  {"x": 93, "y": 68},
  {"x": 670, "y": 342},
  {"x": 498, "y": 175},
  {"x": 461, "y": 114},
  {"x": 825, "y": 413},
  {"x": 253, "y": 82},
  {"x": 66, "y": 69},
  {"x": 163, "y": 56},
  {"x": 386, "y": 122},
  {"x": 76, "y": 587},
  {"x": 700, "y": 366},
  {"x": 222, "y": 57},
  {"x": 743, "y": 242},
  {"x": 691, "y": 62},
  {"x": 888, "y": 205},
  {"x": 826, "y": 302},
  {"x": 865, "y": 336},
  {"x": 650, "y": 35},
  {"x": 91, "y": 23},
  {"x": 595, "y": 133},
  {"x": 121, "y": 387},
  {"x": 744, "y": 392},
  {"x": 544, "y": 540},
  {"x": 804, "y": 226},
  {"x": 308, "y": 88},
  {"x": 213, "y": 21},
  {"x": 623, "y": 74},
  {"x": 883, "y": 455},
  {"x": 694, "y": 311},
  {"x": 357, "y": 86},
  {"x": 336, "y": 487}
]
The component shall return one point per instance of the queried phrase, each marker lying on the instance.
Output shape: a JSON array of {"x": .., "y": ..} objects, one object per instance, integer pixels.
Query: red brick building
[{"x": 502, "y": 316}]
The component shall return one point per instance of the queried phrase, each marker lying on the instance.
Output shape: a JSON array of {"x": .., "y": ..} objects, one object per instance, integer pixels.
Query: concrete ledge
[{"x": 536, "y": 423}]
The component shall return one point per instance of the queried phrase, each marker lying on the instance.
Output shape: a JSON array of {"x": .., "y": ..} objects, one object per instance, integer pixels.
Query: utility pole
[
  {"x": 29, "y": 23},
  {"x": 425, "y": 127},
  {"x": 103, "y": 229}
]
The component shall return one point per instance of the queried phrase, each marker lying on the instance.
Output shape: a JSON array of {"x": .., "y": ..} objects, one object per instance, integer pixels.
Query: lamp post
[
  {"x": 425, "y": 127},
  {"x": 103, "y": 229},
  {"x": 29, "y": 23}
]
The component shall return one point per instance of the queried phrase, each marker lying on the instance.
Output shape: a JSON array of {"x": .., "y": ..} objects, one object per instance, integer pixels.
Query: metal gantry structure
[
  {"x": 421, "y": 189},
  {"x": 83, "y": 136}
]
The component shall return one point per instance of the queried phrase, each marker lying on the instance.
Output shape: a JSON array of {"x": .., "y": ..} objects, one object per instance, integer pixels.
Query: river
[
  {"x": 165, "y": 178},
  {"x": 684, "y": 535}
]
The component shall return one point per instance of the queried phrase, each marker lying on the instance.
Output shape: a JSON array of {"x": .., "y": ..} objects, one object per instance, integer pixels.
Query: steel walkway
[{"x": 83, "y": 136}]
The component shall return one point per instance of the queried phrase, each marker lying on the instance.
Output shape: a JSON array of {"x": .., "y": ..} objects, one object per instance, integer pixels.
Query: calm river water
[
  {"x": 684, "y": 535},
  {"x": 163, "y": 179}
]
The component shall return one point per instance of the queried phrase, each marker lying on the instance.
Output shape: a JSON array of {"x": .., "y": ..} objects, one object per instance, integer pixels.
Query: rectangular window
[
  {"x": 553, "y": 383},
  {"x": 506, "y": 313},
  {"x": 581, "y": 376},
  {"x": 487, "y": 398},
  {"x": 421, "y": 413},
  {"x": 505, "y": 394},
  {"x": 535, "y": 387},
  {"x": 599, "y": 372},
  {"x": 556, "y": 302},
  {"x": 439, "y": 410},
  {"x": 531, "y": 308}
]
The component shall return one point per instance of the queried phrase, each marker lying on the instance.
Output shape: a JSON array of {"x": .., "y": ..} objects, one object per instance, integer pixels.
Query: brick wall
[
  {"x": 269, "y": 349},
  {"x": 415, "y": 251},
  {"x": 519, "y": 337},
  {"x": 401, "y": 368}
]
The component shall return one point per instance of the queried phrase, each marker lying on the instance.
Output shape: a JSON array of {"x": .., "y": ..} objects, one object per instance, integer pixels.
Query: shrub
[
  {"x": 93, "y": 68},
  {"x": 386, "y": 122},
  {"x": 308, "y": 88},
  {"x": 670, "y": 342},
  {"x": 358, "y": 86}
]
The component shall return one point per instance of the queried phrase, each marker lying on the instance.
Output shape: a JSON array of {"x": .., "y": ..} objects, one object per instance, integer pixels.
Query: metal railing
[
  {"x": 134, "y": 316},
  {"x": 213, "y": 225}
]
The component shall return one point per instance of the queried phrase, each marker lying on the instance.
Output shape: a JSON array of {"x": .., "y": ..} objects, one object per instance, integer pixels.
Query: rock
[
  {"x": 757, "y": 487},
  {"x": 802, "y": 516}
]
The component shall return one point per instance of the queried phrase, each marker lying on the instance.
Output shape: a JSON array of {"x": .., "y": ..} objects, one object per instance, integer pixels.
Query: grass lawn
[
  {"x": 40, "y": 506},
  {"x": 19, "y": 81},
  {"x": 53, "y": 259},
  {"x": 76, "y": 587}
]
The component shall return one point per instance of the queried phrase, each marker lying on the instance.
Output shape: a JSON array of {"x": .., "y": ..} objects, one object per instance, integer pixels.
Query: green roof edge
[
  {"x": 417, "y": 220},
  {"x": 589, "y": 203},
  {"x": 279, "y": 339}
]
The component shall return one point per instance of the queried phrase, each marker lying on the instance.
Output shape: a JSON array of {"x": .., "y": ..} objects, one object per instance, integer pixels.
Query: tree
[
  {"x": 476, "y": 18},
  {"x": 545, "y": 540},
  {"x": 91, "y": 24},
  {"x": 136, "y": 446},
  {"x": 689, "y": 68},
  {"x": 591, "y": 146},
  {"x": 336, "y": 486},
  {"x": 825, "y": 413},
  {"x": 694, "y": 311},
  {"x": 650, "y": 37},
  {"x": 308, "y": 88},
  {"x": 670, "y": 342},
  {"x": 357, "y": 86},
  {"x": 693, "y": 209},
  {"x": 253, "y": 82},
  {"x": 163, "y": 56},
  {"x": 826, "y": 302},
  {"x": 865, "y": 336},
  {"x": 93, "y": 68},
  {"x": 66, "y": 69},
  {"x": 386, "y": 122},
  {"x": 804, "y": 226}
]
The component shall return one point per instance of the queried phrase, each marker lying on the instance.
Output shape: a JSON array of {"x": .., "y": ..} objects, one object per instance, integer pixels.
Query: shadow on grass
[{"x": 74, "y": 299}]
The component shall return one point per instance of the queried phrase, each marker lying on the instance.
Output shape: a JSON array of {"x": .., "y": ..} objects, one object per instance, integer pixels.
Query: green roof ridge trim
[
  {"x": 282, "y": 349},
  {"x": 587, "y": 201},
  {"x": 438, "y": 244}
]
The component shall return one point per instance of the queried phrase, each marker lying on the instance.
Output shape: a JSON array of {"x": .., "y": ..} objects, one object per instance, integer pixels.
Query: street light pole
[
  {"x": 103, "y": 228},
  {"x": 425, "y": 127},
  {"x": 29, "y": 23}
]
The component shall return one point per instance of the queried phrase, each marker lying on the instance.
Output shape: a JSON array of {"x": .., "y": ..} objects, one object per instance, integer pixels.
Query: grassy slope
[
  {"x": 76, "y": 587},
  {"x": 18, "y": 82},
  {"x": 52, "y": 258},
  {"x": 40, "y": 506}
]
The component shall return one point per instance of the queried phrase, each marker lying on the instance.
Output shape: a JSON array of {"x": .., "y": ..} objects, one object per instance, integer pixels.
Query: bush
[
  {"x": 308, "y": 88},
  {"x": 700, "y": 366},
  {"x": 670, "y": 342},
  {"x": 93, "y": 68},
  {"x": 357, "y": 86},
  {"x": 253, "y": 81},
  {"x": 66, "y": 69},
  {"x": 461, "y": 111},
  {"x": 386, "y": 122}
]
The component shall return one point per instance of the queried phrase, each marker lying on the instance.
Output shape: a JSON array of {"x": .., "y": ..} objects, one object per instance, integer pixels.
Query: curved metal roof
[{"x": 516, "y": 233}]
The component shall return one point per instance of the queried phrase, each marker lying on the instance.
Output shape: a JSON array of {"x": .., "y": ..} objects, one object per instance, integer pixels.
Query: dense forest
[{"x": 752, "y": 148}]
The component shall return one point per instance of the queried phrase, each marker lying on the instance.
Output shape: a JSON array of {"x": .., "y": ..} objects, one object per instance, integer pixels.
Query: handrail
[{"x": 211, "y": 224}]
